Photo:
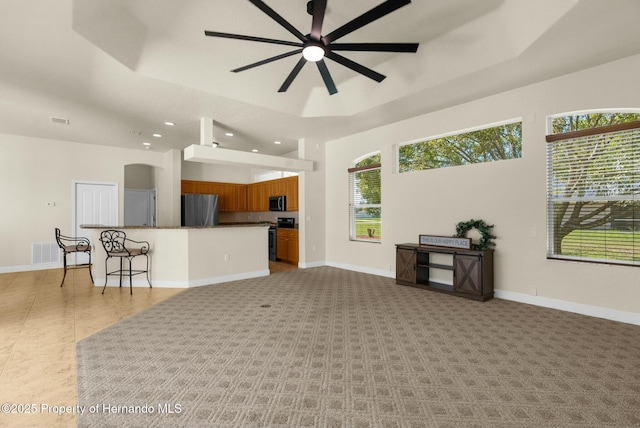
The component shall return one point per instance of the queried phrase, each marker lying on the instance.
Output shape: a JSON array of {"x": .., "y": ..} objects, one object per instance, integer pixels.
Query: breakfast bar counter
[{"x": 182, "y": 257}]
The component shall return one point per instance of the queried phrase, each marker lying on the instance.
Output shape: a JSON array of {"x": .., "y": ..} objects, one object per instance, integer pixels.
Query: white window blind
[
  {"x": 365, "y": 208},
  {"x": 593, "y": 195}
]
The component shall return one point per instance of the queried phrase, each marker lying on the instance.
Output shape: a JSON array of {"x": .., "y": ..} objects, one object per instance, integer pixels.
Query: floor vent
[{"x": 45, "y": 252}]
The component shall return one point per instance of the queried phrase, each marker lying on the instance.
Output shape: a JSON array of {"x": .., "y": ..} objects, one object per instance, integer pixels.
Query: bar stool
[
  {"x": 117, "y": 245},
  {"x": 71, "y": 245}
]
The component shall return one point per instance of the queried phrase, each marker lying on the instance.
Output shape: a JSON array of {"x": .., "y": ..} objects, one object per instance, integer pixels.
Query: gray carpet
[{"x": 335, "y": 348}]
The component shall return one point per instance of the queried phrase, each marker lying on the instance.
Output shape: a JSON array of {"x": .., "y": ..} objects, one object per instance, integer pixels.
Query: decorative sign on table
[{"x": 445, "y": 241}]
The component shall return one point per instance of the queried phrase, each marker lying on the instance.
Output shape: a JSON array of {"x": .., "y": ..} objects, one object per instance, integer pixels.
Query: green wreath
[{"x": 486, "y": 242}]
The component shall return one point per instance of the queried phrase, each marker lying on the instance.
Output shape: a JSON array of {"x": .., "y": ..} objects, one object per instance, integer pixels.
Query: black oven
[{"x": 286, "y": 222}]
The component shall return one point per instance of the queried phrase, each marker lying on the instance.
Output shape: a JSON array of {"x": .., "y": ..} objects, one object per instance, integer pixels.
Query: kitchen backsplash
[{"x": 241, "y": 217}]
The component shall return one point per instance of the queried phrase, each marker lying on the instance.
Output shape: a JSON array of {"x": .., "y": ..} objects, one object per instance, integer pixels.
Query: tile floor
[{"x": 40, "y": 323}]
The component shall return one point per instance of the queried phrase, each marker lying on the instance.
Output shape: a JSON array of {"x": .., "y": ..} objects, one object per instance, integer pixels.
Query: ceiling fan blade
[
  {"x": 364, "y": 19},
  {"x": 376, "y": 47},
  {"x": 251, "y": 38},
  {"x": 356, "y": 67},
  {"x": 292, "y": 75},
  {"x": 319, "y": 7},
  {"x": 326, "y": 76},
  {"x": 279, "y": 19},
  {"x": 267, "y": 61}
]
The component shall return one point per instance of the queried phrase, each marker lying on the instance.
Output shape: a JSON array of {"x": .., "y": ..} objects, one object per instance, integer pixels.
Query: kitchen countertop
[{"x": 221, "y": 225}]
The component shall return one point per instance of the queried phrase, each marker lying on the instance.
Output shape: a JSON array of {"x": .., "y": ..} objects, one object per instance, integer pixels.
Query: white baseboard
[
  {"x": 379, "y": 272},
  {"x": 27, "y": 268},
  {"x": 563, "y": 305},
  {"x": 312, "y": 264},
  {"x": 142, "y": 282}
]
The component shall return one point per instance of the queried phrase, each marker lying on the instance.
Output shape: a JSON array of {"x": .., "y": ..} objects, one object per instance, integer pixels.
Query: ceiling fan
[{"x": 315, "y": 46}]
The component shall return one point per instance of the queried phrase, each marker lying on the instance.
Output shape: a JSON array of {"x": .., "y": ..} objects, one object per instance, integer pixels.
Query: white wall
[
  {"x": 222, "y": 173},
  {"x": 311, "y": 217},
  {"x": 34, "y": 171},
  {"x": 510, "y": 194},
  {"x": 139, "y": 177}
]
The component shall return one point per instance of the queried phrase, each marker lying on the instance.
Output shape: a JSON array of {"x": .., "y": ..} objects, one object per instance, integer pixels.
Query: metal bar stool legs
[
  {"x": 115, "y": 244},
  {"x": 73, "y": 245}
]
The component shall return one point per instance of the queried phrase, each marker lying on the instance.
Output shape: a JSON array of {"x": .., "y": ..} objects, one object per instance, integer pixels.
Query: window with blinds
[
  {"x": 365, "y": 207},
  {"x": 593, "y": 194}
]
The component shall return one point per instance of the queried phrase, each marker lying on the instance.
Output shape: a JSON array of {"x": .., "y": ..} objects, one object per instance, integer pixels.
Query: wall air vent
[
  {"x": 44, "y": 252},
  {"x": 60, "y": 120}
]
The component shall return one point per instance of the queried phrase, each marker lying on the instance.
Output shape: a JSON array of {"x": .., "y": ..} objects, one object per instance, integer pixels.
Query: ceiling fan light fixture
[
  {"x": 313, "y": 52},
  {"x": 314, "y": 46}
]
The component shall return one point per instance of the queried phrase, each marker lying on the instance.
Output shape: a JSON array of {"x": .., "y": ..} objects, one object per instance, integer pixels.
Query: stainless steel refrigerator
[{"x": 199, "y": 210}]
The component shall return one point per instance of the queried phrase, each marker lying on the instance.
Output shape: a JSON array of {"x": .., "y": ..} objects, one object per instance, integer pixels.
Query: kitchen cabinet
[
  {"x": 464, "y": 273},
  {"x": 187, "y": 186},
  {"x": 258, "y": 196},
  {"x": 291, "y": 192},
  {"x": 204, "y": 188},
  {"x": 240, "y": 195},
  {"x": 234, "y": 197},
  {"x": 258, "y": 193},
  {"x": 216, "y": 188},
  {"x": 287, "y": 245}
]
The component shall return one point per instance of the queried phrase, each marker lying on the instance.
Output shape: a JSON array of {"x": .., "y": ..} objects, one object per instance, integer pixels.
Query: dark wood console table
[{"x": 465, "y": 273}]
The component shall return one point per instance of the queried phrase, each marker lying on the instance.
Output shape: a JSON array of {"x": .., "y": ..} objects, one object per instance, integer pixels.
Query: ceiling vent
[{"x": 60, "y": 120}]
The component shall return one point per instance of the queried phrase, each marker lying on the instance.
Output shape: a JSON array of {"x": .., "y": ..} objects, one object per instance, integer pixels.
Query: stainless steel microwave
[{"x": 277, "y": 203}]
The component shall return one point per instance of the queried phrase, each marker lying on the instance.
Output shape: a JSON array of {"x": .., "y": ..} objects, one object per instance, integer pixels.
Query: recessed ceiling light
[
  {"x": 146, "y": 144},
  {"x": 169, "y": 123},
  {"x": 255, "y": 150},
  {"x": 229, "y": 134},
  {"x": 277, "y": 142},
  {"x": 157, "y": 135}
]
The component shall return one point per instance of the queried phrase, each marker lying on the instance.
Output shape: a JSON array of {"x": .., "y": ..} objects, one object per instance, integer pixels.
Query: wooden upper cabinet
[
  {"x": 257, "y": 197},
  {"x": 218, "y": 189},
  {"x": 279, "y": 187},
  {"x": 252, "y": 198},
  {"x": 241, "y": 197},
  {"x": 291, "y": 191},
  {"x": 203, "y": 187},
  {"x": 233, "y": 197},
  {"x": 229, "y": 197},
  {"x": 188, "y": 186},
  {"x": 263, "y": 201}
]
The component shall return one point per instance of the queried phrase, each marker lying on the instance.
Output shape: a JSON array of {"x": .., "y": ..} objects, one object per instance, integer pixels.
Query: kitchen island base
[{"x": 183, "y": 257}]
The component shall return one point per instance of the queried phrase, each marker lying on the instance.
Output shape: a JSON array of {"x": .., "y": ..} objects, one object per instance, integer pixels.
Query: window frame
[
  {"x": 551, "y": 199},
  {"x": 511, "y": 121},
  {"x": 353, "y": 206}
]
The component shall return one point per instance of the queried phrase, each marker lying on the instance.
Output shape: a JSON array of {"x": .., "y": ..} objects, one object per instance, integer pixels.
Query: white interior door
[
  {"x": 95, "y": 203},
  {"x": 139, "y": 207}
]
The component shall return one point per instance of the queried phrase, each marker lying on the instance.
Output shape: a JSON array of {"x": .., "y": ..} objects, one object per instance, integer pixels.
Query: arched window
[{"x": 365, "y": 202}]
